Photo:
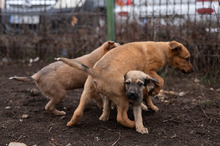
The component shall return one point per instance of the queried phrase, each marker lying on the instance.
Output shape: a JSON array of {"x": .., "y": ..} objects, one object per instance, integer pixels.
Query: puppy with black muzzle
[{"x": 135, "y": 86}]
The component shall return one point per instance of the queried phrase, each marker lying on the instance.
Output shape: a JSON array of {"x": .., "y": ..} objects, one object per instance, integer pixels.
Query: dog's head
[
  {"x": 180, "y": 57},
  {"x": 135, "y": 83}
]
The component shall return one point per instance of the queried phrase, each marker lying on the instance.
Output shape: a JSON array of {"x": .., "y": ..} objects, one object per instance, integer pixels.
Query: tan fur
[
  {"x": 108, "y": 78},
  {"x": 135, "y": 85},
  {"x": 54, "y": 79}
]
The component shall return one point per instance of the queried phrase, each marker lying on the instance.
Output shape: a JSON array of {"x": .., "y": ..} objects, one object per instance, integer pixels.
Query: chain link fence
[{"x": 71, "y": 28}]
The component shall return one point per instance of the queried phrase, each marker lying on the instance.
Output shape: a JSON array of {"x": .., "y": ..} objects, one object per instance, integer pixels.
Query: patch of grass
[
  {"x": 209, "y": 102},
  {"x": 206, "y": 102}
]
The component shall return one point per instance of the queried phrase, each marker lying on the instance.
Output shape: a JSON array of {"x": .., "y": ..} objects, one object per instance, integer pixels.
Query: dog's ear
[
  {"x": 125, "y": 77},
  {"x": 146, "y": 82},
  {"x": 111, "y": 45},
  {"x": 148, "y": 79},
  {"x": 175, "y": 45}
]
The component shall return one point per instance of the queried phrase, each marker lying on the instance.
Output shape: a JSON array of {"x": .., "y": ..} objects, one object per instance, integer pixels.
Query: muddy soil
[{"x": 192, "y": 119}]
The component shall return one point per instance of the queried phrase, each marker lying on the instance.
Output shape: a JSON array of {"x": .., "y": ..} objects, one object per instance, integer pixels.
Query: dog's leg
[
  {"x": 106, "y": 109},
  {"x": 144, "y": 107},
  {"x": 99, "y": 100},
  {"x": 149, "y": 102},
  {"x": 122, "y": 116},
  {"x": 138, "y": 120},
  {"x": 154, "y": 91},
  {"x": 51, "y": 107},
  {"x": 86, "y": 97},
  {"x": 78, "y": 113}
]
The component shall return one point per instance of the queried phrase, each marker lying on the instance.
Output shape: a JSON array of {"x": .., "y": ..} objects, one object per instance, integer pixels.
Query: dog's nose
[{"x": 132, "y": 95}]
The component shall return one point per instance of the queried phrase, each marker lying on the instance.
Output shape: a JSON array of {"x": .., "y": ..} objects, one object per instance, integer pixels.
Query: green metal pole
[{"x": 110, "y": 20}]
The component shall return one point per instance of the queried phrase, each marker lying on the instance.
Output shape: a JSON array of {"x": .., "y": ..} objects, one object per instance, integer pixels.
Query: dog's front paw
[
  {"x": 104, "y": 117},
  {"x": 142, "y": 130},
  {"x": 60, "y": 113},
  {"x": 144, "y": 107},
  {"x": 154, "y": 108}
]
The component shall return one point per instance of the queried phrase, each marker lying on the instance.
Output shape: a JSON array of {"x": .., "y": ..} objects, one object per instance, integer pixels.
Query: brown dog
[
  {"x": 135, "y": 84},
  {"x": 54, "y": 79},
  {"x": 107, "y": 75}
]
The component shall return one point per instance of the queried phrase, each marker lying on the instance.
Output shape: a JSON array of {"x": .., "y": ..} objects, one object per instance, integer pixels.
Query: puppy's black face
[{"x": 134, "y": 89}]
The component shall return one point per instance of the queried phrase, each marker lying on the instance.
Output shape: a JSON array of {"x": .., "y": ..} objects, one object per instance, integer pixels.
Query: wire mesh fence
[{"x": 50, "y": 28}]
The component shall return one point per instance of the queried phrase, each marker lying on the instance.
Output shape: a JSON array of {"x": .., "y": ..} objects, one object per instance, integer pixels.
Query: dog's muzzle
[
  {"x": 187, "y": 72},
  {"x": 132, "y": 95}
]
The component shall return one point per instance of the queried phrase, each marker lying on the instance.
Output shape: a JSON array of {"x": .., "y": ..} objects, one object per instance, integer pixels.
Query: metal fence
[{"x": 50, "y": 28}]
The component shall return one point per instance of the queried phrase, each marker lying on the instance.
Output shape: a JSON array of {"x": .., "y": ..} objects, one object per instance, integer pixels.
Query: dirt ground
[{"x": 193, "y": 119}]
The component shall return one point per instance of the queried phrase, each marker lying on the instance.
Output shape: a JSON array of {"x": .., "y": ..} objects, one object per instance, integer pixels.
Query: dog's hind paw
[
  {"x": 59, "y": 113},
  {"x": 103, "y": 118},
  {"x": 142, "y": 130}
]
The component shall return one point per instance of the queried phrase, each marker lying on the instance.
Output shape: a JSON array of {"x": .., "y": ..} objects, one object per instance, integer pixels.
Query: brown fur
[
  {"x": 135, "y": 86},
  {"x": 54, "y": 79},
  {"x": 107, "y": 75}
]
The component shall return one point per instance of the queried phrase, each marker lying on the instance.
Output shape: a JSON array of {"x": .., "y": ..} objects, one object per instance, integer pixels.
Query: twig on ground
[
  {"x": 117, "y": 139},
  {"x": 205, "y": 114},
  {"x": 19, "y": 138}
]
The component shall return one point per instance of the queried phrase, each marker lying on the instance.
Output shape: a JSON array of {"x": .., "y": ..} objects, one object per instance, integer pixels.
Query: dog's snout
[
  {"x": 132, "y": 95},
  {"x": 188, "y": 71}
]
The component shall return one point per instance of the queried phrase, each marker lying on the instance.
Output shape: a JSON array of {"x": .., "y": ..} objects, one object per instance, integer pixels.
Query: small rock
[
  {"x": 17, "y": 144},
  {"x": 7, "y": 107},
  {"x": 69, "y": 144},
  {"x": 197, "y": 81},
  {"x": 182, "y": 93},
  {"x": 174, "y": 136},
  {"x": 96, "y": 138},
  {"x": 5, "y": 60},
  {"x": 211, "y": 89},
  {"x": 25, "y": 116}
]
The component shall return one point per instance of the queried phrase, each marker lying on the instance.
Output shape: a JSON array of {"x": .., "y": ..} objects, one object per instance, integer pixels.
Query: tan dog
[
  {"x": 135, "y": 84},
  {"x": 54, "y": 79},
  {"x": 107, "y": 75}
]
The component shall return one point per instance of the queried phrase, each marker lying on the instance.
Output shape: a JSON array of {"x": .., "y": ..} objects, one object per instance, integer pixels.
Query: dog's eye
[
  {"x": 187, "y": 59},
  {"x": 140, "y": 84},
  {"x": 127, "y": 83}
]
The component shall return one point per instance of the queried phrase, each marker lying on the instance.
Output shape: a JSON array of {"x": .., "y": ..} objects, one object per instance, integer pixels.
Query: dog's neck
[{"x": 166, "y": 53}]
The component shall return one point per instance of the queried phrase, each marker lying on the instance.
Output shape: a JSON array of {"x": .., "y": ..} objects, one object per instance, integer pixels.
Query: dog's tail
[
  {"x": 23, "y": 79},
  {"x": 80, "y": 66}
]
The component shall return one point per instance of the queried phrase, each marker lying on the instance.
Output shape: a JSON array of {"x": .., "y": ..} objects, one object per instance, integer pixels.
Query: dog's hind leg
[
  {"x": 86, "y": 97},
  {"x": 78, "y": 113},
  {"x": 51, "y": 107},
  {"x": 106, "y": 109},
  {"x": 150, "y": 103},
  {"x": 157, "y": 86},
  {"x": 122, "y": 116}
]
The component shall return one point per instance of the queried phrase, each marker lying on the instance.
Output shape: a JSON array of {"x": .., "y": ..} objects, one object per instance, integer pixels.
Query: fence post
[{"x": 110, "y": 20}]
